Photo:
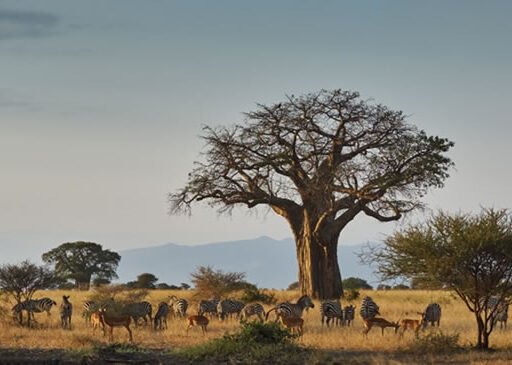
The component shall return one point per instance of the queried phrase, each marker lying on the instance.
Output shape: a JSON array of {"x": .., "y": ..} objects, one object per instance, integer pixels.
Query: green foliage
[
  {"x": 293, "y": 286},
  {"x": 351, "y": 295},
  {"x": 254, "y": 294},
  {"x": 356, "y": 283},
  {"x": 217, "y": 283},
  {"x": 80, "y": 261},
  {"x": 435, "y": 343},
  {"x": 253, "y": 343},
  {"x": 144, "y": 281}
]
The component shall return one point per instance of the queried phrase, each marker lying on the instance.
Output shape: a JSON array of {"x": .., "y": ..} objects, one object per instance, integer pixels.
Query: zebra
[
  {"x": 178, "y": 306},
  {"x": 331, "y": 309},
  {"x": 287, "y": 309},
  {"x": 66, "y": 310},
  {"x": 89, "y": 307},
  {"x": 32, "y": 306},
  {"x": 500, "y": 309},
  {"x": 432, "y": 315},
  {"x": 348, "y": 315},
  {"x": 255, "y": 309},
  {"x": 228, "y": 307},
  {"x": 140, "y": 310},
  {"x": 161, "y": 315},
  {"x": 369, "y": 309},
  {"x": 207, "y": 306}
]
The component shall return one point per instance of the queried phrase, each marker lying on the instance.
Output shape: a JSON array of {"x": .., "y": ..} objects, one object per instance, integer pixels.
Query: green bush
[
  {"x": 436, "y": 343},
  {"x": 351, "y": 295},
  {"x": 253, "y": 294}
]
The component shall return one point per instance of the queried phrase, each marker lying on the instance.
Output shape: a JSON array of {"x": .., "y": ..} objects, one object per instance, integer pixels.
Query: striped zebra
[
  {"x": 349, "y": 313},
  {"x": 139, "y": 310},
  {"x": 208, "y": 307},
  {"x": 178, "y": 306},
  {"x": 228, "y": 307},
  {"x": 432, "y": 315},
  {"x": 287, "y": 309},
  {"x": 161, "y": 316},
  {"x": 331, "y": 310},
  {"x": 500, "y": 309},
  {"x": 255, "y": 309},
  {"x": 66, "y": 311},
  {"x": 32, "y": 306},
  {"x": 369, "y": 309},
  {"x": 89, "y": 307}
]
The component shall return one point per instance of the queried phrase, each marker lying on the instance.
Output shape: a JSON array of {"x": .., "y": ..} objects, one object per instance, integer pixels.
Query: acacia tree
[
  {"x": 80, "y": 261},
  {"x": 318, "y": 161},
  {"x": 470, "y": 254}
]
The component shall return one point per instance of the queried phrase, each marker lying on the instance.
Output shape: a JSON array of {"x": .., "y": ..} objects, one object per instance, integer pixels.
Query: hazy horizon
[{"x": 102, "y": 104}]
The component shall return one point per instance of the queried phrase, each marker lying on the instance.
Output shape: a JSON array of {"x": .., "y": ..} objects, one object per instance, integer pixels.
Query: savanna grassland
[{"x": 327, "y": 345}]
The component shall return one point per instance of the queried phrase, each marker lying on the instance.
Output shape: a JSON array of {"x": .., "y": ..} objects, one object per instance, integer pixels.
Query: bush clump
[
  {"x": 253, "y": 294},
  {"x": 436, "y": 342},
  {"x": 253, "y": 343}
]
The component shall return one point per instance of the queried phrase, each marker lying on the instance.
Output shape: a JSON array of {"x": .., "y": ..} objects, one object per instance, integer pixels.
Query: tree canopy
[
  {"x": 80, "y": 261},
  {"x": 318, "y": 161},
  {"x": 470, "y": 254}
]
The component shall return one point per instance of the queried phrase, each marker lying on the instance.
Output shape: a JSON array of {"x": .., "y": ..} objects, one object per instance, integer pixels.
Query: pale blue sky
[{"x": 102, "y": 102}]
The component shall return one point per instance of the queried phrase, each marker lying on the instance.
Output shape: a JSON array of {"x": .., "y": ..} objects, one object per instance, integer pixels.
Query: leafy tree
[
  {"x": 100, "y": 281},
  {"x": 80, "y": 261},
  {"x": 21, "y": 281},
  {"x": 217, "y": 283},
  {"x": 293, "y": 286},
  {"x": 318, "y": 161},
  {"x": 184, "y": 286},
  {"x": 356, "y": 283},
  {"x": 469, "y": 254},
  {"x": 144, "y": 281}
]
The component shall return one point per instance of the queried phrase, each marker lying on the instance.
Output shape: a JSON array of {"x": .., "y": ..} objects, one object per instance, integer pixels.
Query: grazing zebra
[
  {"x": 66, "y": 310},
  {"x": 140, "y": 310},
  {"x": 500, "y": 311},
  {"x": 178, "y": 306},
  {"x": 432, "y": 315},
  {"x": 287, "y": 309},
  {"x": 250, "y": 310},
  {"x": 228, "y": 307},
  {"x": 331, "y": 309},
  {"x": 161, "y": 316},
  {"x": 208, "y": 307},
  {"x": 369, "y": 309},
  {"x": 32, "y": 306},
  {"x": 349, "y": 313}
]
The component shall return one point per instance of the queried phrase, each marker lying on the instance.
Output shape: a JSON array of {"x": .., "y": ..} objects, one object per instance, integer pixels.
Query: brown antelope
[
  {"x": 97, "y": 322},
  {"x": 198, "y": 320},
  {"x": 413, "y": 324},
  {"x": 378, "y": 322},
  {"x": 115, "y": 321},
  {"x": 294, "y": 324}
]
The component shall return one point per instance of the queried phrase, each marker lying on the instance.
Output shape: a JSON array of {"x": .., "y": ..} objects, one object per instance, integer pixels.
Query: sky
[{"x": 102, "y": 104}]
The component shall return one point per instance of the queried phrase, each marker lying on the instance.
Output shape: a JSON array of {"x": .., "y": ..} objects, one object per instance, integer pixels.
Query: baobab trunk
[{"x": 319, "y": 272}]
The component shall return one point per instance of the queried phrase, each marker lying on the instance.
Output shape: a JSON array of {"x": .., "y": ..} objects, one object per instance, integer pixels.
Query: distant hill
[{"x": 268, "y": 263}]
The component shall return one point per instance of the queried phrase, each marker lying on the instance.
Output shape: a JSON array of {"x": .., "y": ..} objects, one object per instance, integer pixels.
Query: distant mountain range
[{"x": 267, "y": 262}]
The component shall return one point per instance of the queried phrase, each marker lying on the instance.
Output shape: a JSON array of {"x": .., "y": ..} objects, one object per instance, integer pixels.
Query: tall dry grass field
[{"x": 394, "y": 305}]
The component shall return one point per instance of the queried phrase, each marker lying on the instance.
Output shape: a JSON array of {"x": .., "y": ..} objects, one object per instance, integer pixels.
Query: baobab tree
[{"x": 318, "y": 161}]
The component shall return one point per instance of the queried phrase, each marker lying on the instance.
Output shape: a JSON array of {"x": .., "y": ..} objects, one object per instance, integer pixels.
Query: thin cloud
[{"x": 27, "y": 24}]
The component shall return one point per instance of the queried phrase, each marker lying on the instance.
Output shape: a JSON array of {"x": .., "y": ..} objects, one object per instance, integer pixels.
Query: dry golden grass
[{"x": 394, "y": 305}]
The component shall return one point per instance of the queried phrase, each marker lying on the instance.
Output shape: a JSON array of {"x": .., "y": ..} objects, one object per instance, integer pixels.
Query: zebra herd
[{"x": 331, "y": 312}]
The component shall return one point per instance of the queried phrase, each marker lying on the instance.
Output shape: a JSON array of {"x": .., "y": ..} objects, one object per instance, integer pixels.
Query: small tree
[
  {"x": 356, "y": 283},
  {"x": 21, "y": 281},
  {"x": 80, "y": 261},
  {"x": 217, "y": 283},
  {"x": 470, "y": 254},
  {"x": 144, "y": 281}
]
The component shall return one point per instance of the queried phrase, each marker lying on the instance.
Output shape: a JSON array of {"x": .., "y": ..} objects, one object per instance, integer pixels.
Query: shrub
[
  {"x": 255, "y": 295},
  {"x": 351, "y": 295},
  {"x": 293, "y": 286},
  {"x": 435, "y": 343}
]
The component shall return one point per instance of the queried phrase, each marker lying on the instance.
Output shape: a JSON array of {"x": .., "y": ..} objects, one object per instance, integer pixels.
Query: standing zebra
[
  {"x": 349, "y": 313},
  {"x": 331, "y": 309},
  {"x": 432, "y": 315},
  {"x": 161, "y": 315},
  {"x": 140, "y": 310},
  {"x": 32, "y": 306},
  {"x": 178, "y": 306},
  {"x": 66, "y": 310},
  {"x": 369, "y": 309},
  {"x": 500, "y": 309},
  {"x": 255, "y": 309},
  {"x": 287, "y": 309},
  {"x": 208, "y": 306},
  {"x": 228, "y": 307}
]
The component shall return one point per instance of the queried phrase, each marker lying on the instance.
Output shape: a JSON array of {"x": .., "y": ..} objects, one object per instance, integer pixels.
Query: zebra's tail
[{"x": 270, "y": 310}]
